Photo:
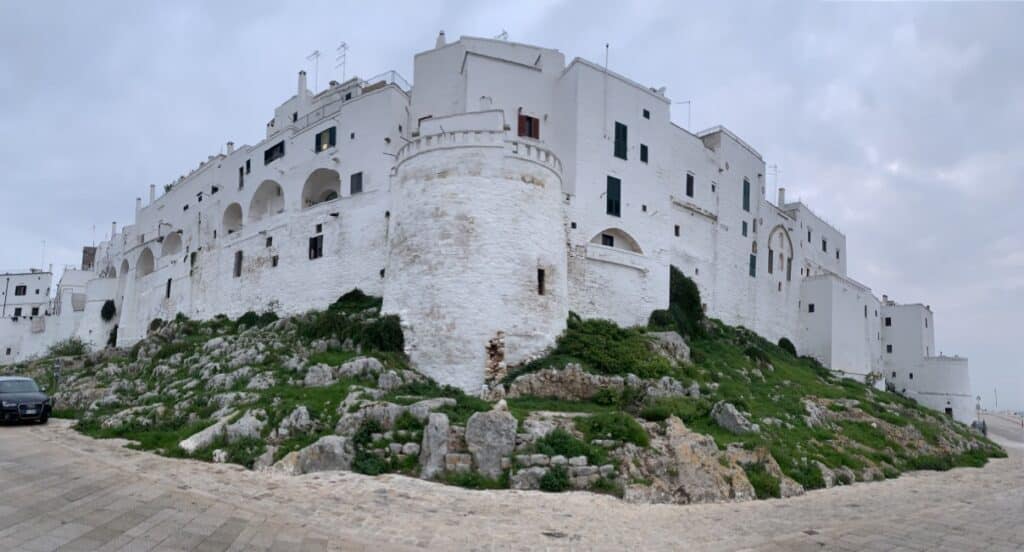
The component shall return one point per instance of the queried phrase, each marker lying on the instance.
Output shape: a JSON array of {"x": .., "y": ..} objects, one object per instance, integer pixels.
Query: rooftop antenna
[
  {"x": 503, "y": 35},
  {"x": 42, "y": 258},
  {"x": 689, "y": 105},
  {"x": 341, "y": 58},
  {"x": 774, "y": 170},
  {"x": 315, "y": 58}
]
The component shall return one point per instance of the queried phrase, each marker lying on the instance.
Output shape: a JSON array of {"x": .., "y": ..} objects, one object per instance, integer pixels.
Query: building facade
[{"x": 501, "y": 191}]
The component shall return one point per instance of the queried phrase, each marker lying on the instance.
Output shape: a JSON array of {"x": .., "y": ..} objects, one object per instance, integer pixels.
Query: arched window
[
  {"x": 322, "y": 185},
  {"x": 232, "y": 221},
  {"x": 172, "y": 244},
  {"x": 267, "y": 201},
  {"x": 617, "y": 238},
  {"x": 146, "y": 263},
  {"x": 782, "y": 251}
]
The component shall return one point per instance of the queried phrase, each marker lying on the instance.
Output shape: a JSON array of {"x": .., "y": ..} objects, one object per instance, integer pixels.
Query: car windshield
[{"x": 18, "y": 386}]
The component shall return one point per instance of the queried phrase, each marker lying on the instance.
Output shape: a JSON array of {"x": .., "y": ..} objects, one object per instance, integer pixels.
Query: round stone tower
[{"x": 477, "y": 251}]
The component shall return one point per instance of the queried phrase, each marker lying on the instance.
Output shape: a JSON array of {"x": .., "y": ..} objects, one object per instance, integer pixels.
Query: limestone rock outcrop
[{"x": 490, "y": 437}]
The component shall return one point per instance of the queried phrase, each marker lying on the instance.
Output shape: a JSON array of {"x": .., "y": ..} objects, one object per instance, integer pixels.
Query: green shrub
[
  {"x": 685, "y": 307},
  {"x": 685, "y": 409},
  {"x": 613, "y": 425},
  {"x": 803, "y": 471},
  {"x": 112, "y": 338},
  {"x": 171, "y": 349},
  {"x": 383, "y": 334},
  {"x": 355, "y": 301},
  {"x": 556, "y": 480},
  {"x": 606, "y": 348},
  {"x": 606, "y": 397},
  {"x": 69, "y": 347},
  {"x": 367, "y": 463},
  {"x": 756, "y": 354},
  {"x": 364, "y": 435},
  {"x": 786, "y": 345},
  {"x": 156, "y": 324},
  {"x": 661, "y": 320},
  {"x": 765, "y": 484},
  {"x": 108, "y": 310},
  {"x": 561, "y": 442},
  {"x": 474, "y": 480},
  {"x": 608, "y": 486},
  {"x": 251, "y": 319},
  {"x": 407, "y": 422}
]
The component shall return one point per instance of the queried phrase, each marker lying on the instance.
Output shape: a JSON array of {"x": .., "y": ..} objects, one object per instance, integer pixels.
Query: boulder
[
  {"x": 249, "y": 426},
  {"x": 330, "y": 453},
  {"x": 434, "y": 446},
  {"x": 220, "y": 456},
  {"x": 732, "y": 420},
  {"x": 262, "y": 381},
  {"x": 671, "y": 345},
  {"x": 389, "y": 381},
  {"x": 570, "y": 383},
  {"x": 528, "y": 479},
  {"x": 214, "y": 344},
  {"x": 816, "y": 415},
  {"x": 297, "y": 423},
  {"x": 491, "y": 436},
  {"x": 204, "y": 438},
  {"x": 683, "y": 467},
  {"x": 265, "y": 460},
  {"x": 422, "y": 409},
  {"x": 320, "y": 375},
  {"x": 362, "y": 366},
  {"x": 666, "y": 387}
]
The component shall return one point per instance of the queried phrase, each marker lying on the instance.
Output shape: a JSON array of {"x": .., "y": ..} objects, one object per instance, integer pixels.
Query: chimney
[
  {"x": 782, "y": 197},
  {"x": 303, "y": 91},
  {"x": 231, "y": 148},
  {"x": 885, "y": 299},
  {"x": 138, "y": 204},
  {"x": 440, "y": 40},
  {"x": 113, "y": 230},
  {"x": 152, "y": 193}
]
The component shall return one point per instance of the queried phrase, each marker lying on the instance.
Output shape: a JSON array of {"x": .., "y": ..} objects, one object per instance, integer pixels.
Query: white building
[{"x": 502, "y": 190}]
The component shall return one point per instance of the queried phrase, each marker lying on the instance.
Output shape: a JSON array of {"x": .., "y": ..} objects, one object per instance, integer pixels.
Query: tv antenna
[
  {"x": 315, "y": 58},
  {"x": 774, "y": 170},
  {"x": 689, "y": 105},
  {"x": 341, "y": 58},
  {"x": 503, "y": 35}
]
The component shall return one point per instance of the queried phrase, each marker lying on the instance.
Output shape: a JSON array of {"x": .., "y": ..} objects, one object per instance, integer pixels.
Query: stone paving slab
[{"x": 64, "y": 491}]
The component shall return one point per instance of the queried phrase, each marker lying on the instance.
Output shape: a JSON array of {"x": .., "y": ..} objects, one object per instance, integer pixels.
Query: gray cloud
[{"x": 899, "y": 123}]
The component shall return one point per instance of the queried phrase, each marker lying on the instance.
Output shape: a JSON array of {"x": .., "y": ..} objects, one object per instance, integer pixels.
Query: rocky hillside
[{"x": 641, "y": 413}]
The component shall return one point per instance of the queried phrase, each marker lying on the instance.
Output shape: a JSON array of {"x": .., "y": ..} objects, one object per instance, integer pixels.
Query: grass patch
[
  {"x": 684, "y": 408},
  {"x": 613, "y": 425},
  {"x": 765, "y": 484},
  {"x": 476, "y": 481},
  {"x": 561, "y": 442},
  {"x": 556, "y": 480}
]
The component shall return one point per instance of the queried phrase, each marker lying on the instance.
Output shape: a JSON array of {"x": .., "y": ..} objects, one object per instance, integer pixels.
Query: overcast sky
[{"x": 903, "y": 125}]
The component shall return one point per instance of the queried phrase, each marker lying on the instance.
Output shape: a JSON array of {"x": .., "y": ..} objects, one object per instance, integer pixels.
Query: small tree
[{"x": 108, "y": 311}]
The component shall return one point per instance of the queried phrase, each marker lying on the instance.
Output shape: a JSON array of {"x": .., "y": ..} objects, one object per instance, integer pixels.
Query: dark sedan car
[{"x": 22, "y": 400}]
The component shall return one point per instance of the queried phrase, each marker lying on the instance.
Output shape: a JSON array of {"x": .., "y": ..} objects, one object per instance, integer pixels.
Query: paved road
[{"x": 63, "y": 491}]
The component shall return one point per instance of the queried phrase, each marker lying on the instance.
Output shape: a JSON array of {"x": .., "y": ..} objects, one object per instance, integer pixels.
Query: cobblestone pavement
[{"x": 64, "y": 491}]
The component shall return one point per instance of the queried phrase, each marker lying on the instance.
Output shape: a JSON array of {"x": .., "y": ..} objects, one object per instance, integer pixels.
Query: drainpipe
[{"x": 7, "y": 287}]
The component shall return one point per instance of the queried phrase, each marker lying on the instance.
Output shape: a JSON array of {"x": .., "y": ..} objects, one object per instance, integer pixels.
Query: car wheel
[{"x": 44, "y": 419}]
